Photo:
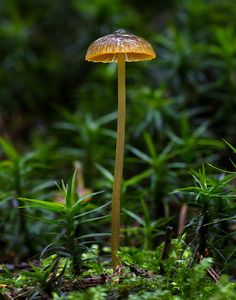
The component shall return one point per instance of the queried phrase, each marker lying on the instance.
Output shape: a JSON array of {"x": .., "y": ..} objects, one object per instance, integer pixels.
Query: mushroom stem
[{"x": 120, "y": 141}]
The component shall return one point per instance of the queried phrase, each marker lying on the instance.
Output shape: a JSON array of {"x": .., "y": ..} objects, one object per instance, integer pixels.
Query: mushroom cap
[{"x": 107, "y": 48}]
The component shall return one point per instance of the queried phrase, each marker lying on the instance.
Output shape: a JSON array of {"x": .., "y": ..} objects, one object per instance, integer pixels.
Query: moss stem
[{"x": 120, "y": 141}]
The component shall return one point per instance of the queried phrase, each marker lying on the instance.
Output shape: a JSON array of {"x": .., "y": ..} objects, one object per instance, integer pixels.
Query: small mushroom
[
  {"x": 119, "y": 47},
  {"x": 81, "y": 189}
]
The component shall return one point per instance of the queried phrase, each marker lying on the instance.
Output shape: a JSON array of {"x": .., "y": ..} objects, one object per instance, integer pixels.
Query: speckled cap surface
[{"x": 107, "y": 48}]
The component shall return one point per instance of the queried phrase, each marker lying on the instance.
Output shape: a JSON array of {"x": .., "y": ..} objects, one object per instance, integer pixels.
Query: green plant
[
  {"x": 93, "y": 293},
  {"x": 181, "y": 59},
  {"x": 20, "y": 176},
  {"x": 45, "y": 277},
  {"x": 146, "y": 228},
  {"x": 82, "y": 133},
  {"x": 152, "y": 111},
  {"x": 180, "y": 280},
  {"x": 213, "y": 199},
  {"x": 69, "y": 216}
]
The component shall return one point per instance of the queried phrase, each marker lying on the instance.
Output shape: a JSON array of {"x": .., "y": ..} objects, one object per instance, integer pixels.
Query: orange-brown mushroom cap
[{"x": 107, "y": 48}]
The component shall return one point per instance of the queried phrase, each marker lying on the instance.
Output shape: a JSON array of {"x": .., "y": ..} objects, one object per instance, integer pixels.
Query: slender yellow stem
[{"x": 120, "y": 141}]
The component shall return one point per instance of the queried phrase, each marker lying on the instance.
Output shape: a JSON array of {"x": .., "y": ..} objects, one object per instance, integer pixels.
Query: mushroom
[{"x": 119, "y": 47}]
